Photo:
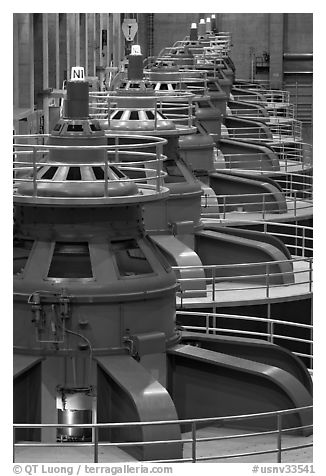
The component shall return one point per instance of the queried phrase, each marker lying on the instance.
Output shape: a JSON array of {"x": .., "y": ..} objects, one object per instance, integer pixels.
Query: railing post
[
  {"x": 263, "y": 206},
  {"x": 279, "y": 438},
  {"x": 106, "y": 167},
  {"x": 34, "y": 173},
  {"x": 295, "y": 203},
  {"x": 109, "y": 113},
  {"x": 207, "y": 323},
  {"x": 271, "y": 332},
  {"x": 310, "y": 275},
  {"x": 267, "y": 279},
  {"x": 155, "y": 116},
  {"x": 303, "y": 241},
  {"x": 214, "y": 323},
  {"x": 270, "y": 325},
  {"x": 13, "y": 445},
  {"x": 96, "y": 444},
  {"x": 193, "y": 434},
  {"x": 224, "y": 205},
  {"x": 265, "y": 227},
  {"x": 213, "y": 283},
  {"x": 159, "y": 152},
  {"x": 116, "y": 151},
  {"x": 189, "y": 113}
]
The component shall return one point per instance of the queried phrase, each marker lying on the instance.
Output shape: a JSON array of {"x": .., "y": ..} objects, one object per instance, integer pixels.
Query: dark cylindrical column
[
  {"x": 208, "y": 25},
  {"x": 135, "y": 67},
  {"x": 76, "y": 106},
  {"x": 193, "y": 32},
  {"x": 214, "y": 23},
  {"x": 202, "y": 28}
]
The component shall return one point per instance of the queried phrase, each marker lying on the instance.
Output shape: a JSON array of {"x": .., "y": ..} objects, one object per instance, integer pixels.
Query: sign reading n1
[{"x": 77, "y": 73}]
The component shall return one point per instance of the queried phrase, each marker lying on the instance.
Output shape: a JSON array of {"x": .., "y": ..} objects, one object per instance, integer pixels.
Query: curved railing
[
  {"x": 261, "y": 205},
  {"x": 292, "y": 156},
  {"x": 297, "y": 238},
  {"x": 285, "y": 128},
  {"x": 295, "y": 200},
  {"x": 177, "y": 103},
  {"x": 273, "y": 330},
  {"x": 263, "y": 96},
  {"x": 28, "y": 158},
  {"x": 194, "y": 438},
  {"x": 223, "y": 286},
  {"x": 179, "y": 107},
  {"x": 231, "y": 282}
]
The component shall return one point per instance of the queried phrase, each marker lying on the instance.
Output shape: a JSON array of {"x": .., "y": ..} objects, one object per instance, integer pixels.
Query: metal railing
[
  {"x": 194, "y": 440},
  {"x": 175, "y": 102},
  {"x": 179, "y": 107},
  {"x": 295, "y": 199},
  {"x": 289, "y": 156},
  {"x": 27, "y": 163},
  {"x": 285, "y": 128},
  {"x": 256, "y": 132},
  {"x": 297, "y": 238},
  {"x": 220, "y": 282},
  {"x": 257, "y": 278},
  {"x": 213, "y": 324},
  {"x": 296, "y": 204},
  {"x": 265, "y": 97},
  {"x": 293, "y": 152}
]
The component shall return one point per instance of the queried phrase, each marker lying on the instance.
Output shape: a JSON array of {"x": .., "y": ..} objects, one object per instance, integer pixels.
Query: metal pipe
[
  {"x": 96, "y": 444},
  {"x": 34, "y": 173},
  {"x": 267, "y": 279},
  {"x": 193, "y": 448},
  {"x": 279, "y": 438}
]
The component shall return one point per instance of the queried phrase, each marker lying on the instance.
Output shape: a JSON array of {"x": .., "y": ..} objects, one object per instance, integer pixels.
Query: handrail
[
  {"x": 297, "y": 193},
  {"x": 26, "y": 170},
  {"x": 291, "y": 159},
  {"x": 194, "y": 440},
  {"x": 216, "y": 282},
  {"x": 269, "y": 334}
]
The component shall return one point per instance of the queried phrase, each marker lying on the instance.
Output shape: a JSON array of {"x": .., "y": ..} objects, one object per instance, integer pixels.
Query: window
[
  {"x": 75, "y": 128},
  {"x": 117, "y": 172},
  {"x": 74, "y": 174},
  {"x": 49, "y": 174},
  {"x": 150, "y": 115},
  {"x": 134, "y": 116},
  {"x": 95, "y": 127},
  {"x": 70, "y": 261},
  {"x": 117, "y": 115},
  {"x": 98, "y": 172}
]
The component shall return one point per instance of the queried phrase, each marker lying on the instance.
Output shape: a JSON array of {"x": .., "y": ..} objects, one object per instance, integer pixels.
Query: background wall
[{"x": 45, "y": 47}]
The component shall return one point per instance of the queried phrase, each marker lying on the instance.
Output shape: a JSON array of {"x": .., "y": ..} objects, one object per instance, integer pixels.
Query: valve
[
  {"x": 36, "y": 308},
  {"x": 64, "y": 305}
]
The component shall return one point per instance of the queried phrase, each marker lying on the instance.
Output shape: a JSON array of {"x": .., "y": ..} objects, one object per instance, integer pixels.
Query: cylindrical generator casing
[{"x": 74, "y": 433}]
